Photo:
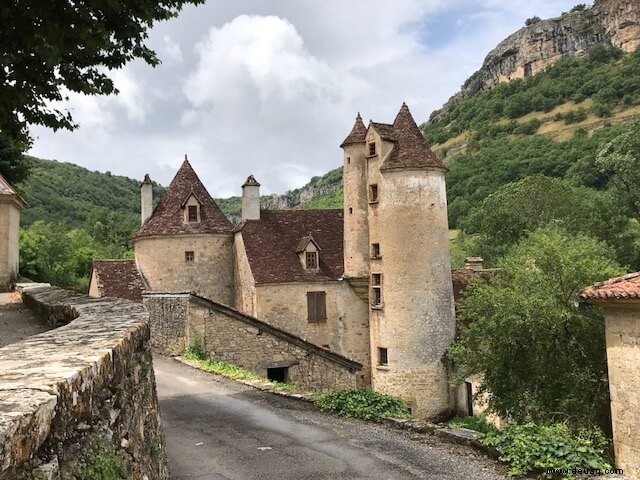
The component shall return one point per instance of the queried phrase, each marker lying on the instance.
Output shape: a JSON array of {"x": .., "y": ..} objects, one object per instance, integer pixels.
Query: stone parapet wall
[
  {"x": 168, "y": 322},
  {"x": 228, "y": 335},
  {"x": 81, "y": 395}
]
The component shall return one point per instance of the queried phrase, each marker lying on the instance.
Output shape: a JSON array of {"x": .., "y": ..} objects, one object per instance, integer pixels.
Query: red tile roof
[
  {"x": 272, "y": 241},
  {"x": 119, "y": 279},
  {"x": 620, "y": 288},
  {"x": 168, "y": 217},
  {"x": 358, "y": 133}
]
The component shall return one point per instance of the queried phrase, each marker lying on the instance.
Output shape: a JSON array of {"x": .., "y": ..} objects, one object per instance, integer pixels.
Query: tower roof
[
  {"x": 168, "y": 218},
  {"x": 410, "y": 150},
  {"x": 358, "y": 133},
  {"x": 7, "y": 191},
  {"x": 251, "y": 182}
]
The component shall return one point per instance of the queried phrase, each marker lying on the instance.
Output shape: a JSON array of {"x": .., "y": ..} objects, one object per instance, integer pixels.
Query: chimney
[
  {"x": 146, "y": 199},
  {"x": 251, "y": 199},
  {"x": 474, "y": 263}
]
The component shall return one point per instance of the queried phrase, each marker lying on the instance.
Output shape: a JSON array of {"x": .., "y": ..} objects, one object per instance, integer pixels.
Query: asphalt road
[{"x": 217, "y": 429}]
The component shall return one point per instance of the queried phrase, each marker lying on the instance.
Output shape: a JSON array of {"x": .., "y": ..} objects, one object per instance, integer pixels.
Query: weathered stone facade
[
  {"x": 228, "y": 335},
  {"x": 63, "y": 407},
  {"x": 10, "y": 206},
  {"x": 163, "y": 263}
]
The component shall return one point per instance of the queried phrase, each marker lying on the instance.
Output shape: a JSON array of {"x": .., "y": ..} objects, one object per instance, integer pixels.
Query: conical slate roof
[
  {"x": 168, "y": 217},
  {"x": 358, "y": 133}
]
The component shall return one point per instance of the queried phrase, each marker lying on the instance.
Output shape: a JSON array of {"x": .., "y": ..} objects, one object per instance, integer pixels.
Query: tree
[
  {"x": 532, "y": 21},
  {"x": 51, "y": 47},
  {"x": 540, "y": 356},
  {"x": 620, "y": 159}
]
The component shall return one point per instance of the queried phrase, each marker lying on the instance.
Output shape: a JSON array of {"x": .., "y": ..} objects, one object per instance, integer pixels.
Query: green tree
[
  {"x": 620, "y": 159},
  {"x": 541, "y": 357},
  {"x": 51, "y": 47}
]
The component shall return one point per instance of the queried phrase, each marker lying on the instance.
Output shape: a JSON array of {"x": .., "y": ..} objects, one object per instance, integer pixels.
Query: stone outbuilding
[
  {"x": 116, "y": 278},
  {"x": 10, "y": 206},
  {"x": 619, "y": 299}
]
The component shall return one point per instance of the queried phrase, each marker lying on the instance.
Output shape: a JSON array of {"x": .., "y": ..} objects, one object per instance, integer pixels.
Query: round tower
[
  {"x": 356, "y": 228},
  {"x": 413, "y": 322}
]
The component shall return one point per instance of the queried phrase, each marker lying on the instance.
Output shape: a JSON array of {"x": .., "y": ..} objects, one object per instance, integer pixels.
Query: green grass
[
  {"x": 479, "y": 424},
  {"x": 229, "y": 370},
  {"x": 104, "y": 463}
]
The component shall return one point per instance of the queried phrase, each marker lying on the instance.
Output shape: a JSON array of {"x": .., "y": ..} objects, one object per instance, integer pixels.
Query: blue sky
[{"x": 271, "y": 87}]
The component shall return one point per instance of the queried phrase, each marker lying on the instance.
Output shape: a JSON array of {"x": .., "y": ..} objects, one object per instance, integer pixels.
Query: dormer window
[
  {"x": 312, "y": 260},
  {"x": 192, "y": 213}
]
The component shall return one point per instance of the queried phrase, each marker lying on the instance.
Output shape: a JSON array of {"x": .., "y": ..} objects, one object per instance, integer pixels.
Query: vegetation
[
  {"x": 104, "y": 463},
  {"x": 479, "y": 424},
  {"x": 362, "y": 403},
  {"x": 42, "y": 63},
  {"x": 532, "y": 448},
  {"x": 537, "y": 350}
]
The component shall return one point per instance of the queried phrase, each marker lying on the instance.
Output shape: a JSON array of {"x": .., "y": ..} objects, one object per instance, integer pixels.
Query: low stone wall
[
  {"x": 226, "y": 334},
  {"x": 79, "y": 399},
  {"x": 168, "y": 322}
]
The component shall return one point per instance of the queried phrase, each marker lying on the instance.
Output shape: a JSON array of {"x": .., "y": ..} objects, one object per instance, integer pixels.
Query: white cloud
[{"x": 171, "y": 50}]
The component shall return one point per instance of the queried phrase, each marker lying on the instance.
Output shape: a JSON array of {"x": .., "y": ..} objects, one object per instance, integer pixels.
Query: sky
[{"x": 272, "y": 87}]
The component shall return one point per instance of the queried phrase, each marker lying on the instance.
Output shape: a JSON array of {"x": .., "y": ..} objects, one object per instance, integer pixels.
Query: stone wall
[
  {"x": 168, "y": 322},
  {"x": 623, "y": 360},
  {"x": 9, "y": 237},
  {"x": 82, "y": 394},
  {"x": 226, "y": 334}
]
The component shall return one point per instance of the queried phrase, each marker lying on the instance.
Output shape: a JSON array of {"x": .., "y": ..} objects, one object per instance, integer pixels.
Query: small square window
[
  {"x": 312, "y": 260},
  {"x": 376, "y": 279},
  {"x": 383, "y": 356},
  {"x": 189, "y": 257},
  {"x": 192, "y": 213},
  {"x": 375, "y": 250},
  {"x": 372, "y": 148},
  {"x": 373, "y": 193}
]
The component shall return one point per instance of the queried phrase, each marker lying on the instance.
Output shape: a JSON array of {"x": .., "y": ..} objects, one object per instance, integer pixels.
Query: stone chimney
[
  {"x": 251, "y": 199},
  {"x": 146, "y": 199},
  {"x": 474, "y": 263}
]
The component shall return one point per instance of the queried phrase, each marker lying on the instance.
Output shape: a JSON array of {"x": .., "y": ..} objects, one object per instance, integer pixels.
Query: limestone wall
[
  {"x": 9, "y": 250},
  {"x": 228, "y": 335},
  {"x": 162, "y": 262},
  {"x": 623, "y": 359},
  {"x": 80, "y": 394},
  {"x": 168, "y": 323}
]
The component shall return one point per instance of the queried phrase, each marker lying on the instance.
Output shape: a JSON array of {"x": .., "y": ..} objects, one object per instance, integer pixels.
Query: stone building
[
  {"x": 371, "y": 282},
  {"x": 619, "y": 299},
  {"x": 10, "y": 206}
]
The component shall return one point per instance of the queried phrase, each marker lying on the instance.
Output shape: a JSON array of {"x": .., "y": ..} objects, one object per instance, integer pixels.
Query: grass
[
  {"x": 362, "y": 403},
  {"x": 105, "y": 464},
  {"x": 478, "y": 424},
  {"x": 230, "y": 371}
]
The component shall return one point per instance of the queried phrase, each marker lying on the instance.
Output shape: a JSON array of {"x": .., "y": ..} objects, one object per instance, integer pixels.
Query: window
[
  {"x": 383, "y": 356},
  {"x": 348, "y": 160},
  {"x": 317, "y": 307},
  {"x": 311, "y": 260},
  {"x": 350, "y": 210},
  {"x": 192, "y": 213},
  {"x": 375, "y": 250},
  {"x": 373, "y": 193},
  {"x": 278, "y": 374},
  {"x": 376, "y": 289},
  {"x": 189, "y": 257},
  {"x": 372, "y": 148}
]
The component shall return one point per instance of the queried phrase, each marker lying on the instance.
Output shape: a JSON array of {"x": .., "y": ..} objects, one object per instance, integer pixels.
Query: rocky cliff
[{"x": 533, "y": 48}]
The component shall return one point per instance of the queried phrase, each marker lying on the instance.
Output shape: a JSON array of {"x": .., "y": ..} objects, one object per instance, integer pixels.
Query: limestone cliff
[{"x": 533, "y": 48}]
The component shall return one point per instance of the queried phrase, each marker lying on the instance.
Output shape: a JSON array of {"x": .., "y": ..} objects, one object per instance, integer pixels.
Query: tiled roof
[
  {"x": 7, "y": 189},
  {"x": 251, "y": 182},
  {"x": 272, "y": 241},
  {"x": 410, "y": 149},
  {"x": 620, "y": 288},
  {"x": 168, "y": 217},
  {"x": 119, "y": 279},
  {"x": 358, "y": 133}
]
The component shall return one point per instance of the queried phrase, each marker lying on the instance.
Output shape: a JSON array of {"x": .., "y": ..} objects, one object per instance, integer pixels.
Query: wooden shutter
[{"x": 316, "y": 306}]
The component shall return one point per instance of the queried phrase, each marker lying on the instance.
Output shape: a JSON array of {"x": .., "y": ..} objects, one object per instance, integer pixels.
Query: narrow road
[{"x": 217, "y": 429}]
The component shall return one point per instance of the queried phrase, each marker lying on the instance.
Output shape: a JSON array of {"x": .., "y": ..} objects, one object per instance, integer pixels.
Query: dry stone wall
[{"x": 80, "y": 395}]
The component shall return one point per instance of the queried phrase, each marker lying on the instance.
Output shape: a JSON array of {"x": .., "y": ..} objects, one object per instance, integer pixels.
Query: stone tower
[
  {"x": 411, "y": 310},
  {"x": 186, "y": 245},
  {"x": 10, "y": 206}
]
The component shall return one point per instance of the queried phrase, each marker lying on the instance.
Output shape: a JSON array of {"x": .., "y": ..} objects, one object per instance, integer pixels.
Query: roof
[
  {"x": 7, "y": 189},
  {"x": 410, "y": 149},
  {"x": 358, "y": 133},
  {"x": 272, "y": 241},
  {"x": 119, "y": 279},
  {"x": 168, "y": 218},
  {"x": 251, "y": 182},
  {"x": 626, "y": 287}
]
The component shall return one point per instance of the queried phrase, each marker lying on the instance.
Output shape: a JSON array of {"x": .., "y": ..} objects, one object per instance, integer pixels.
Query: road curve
[{"x": 217, "y": 429}]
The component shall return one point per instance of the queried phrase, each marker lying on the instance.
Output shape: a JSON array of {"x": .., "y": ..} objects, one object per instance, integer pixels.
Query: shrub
[
  {"x": 479, "y": 424},
  {"x": 363, "y": 403},
  {"x": 532, "y": 21},
  {"x": 532, "y": 448}
]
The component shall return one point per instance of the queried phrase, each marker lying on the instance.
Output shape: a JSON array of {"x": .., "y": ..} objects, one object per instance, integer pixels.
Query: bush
[
  {"x": 479, "y": 424},
  {"x": 532, "y": 448},
  {"x": 362, "y": 403}
]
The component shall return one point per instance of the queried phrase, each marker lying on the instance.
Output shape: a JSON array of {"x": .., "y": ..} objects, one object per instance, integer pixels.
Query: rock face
[
  {"x": 532, "y": 49},
  {"x": 81, "y": 398}
]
